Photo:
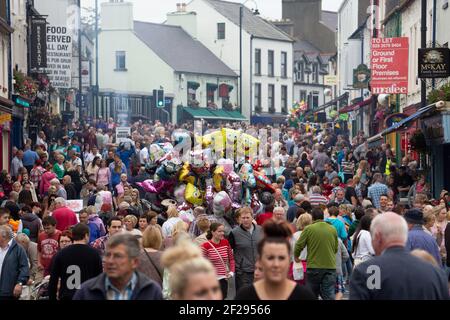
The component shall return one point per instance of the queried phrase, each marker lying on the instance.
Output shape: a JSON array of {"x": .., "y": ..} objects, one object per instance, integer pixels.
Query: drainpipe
[{"x": 251, "y": 78}]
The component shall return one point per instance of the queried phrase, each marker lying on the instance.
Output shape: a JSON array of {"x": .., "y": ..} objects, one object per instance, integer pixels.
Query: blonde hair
[
  {"x": 183, "y": 261},
  {"x": 303, "y": 221},
  {"x": 425, "y": 256},
  {"x": 152, "y": 238},
  {"x": 133, "y": 219},
  {"x": 172, "y": 212}
]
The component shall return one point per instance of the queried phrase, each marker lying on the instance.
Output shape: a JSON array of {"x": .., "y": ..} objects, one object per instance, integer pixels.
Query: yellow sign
[
  {"x": 330, "y": 80},
  {"x": 5, "y": 117}
]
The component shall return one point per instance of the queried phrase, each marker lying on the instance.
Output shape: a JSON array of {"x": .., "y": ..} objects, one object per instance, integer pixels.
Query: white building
[
  {"x": 19, "y": 36},
  {"x": 5, "y": 103},
  {"x": 353, "y": 49},
  {"x": 136, "y": 58},
  {"x": 267, "y": 53}
]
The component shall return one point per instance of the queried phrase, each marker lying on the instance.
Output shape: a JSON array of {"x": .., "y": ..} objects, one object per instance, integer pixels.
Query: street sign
[
  {"x": 21, "y": 102},
  {"x": 122, "y": 134},
  {"x": 81, "y": 101},
  {"x": 330, "y": 80}
]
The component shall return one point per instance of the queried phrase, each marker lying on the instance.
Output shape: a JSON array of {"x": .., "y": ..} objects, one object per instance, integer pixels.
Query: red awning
[{"x": 356, "y": 106}]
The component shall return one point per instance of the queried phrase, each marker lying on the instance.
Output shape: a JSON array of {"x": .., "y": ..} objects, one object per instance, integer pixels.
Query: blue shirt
[
  {"x": 29, "y": 158},
  {"x": 339, "y": 226},
  {"x": 375, "y": 192},
  {"x": 94, "y": 232},
  {"x": 419, "y": 239}
]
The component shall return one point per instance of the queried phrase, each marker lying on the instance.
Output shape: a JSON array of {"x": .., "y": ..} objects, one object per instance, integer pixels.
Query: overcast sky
[{"x": 155, "y": 10}]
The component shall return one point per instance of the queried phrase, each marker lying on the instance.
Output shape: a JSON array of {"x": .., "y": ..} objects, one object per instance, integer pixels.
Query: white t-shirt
[
  {"x": 364, "y": 251},
  {"x": 144, "y": 155},
  {"x": 167, "y": 226}
]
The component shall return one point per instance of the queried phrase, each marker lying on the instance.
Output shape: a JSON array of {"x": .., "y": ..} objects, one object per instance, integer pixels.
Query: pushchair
[{"x": 37, "y": 291}]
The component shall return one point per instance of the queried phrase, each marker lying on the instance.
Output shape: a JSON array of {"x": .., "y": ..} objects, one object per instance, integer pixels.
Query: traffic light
[{"x": 158, "y": 96}]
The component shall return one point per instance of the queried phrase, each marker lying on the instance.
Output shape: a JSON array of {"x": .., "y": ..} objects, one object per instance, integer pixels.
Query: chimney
[
  {"x": 183, "y": 7},
  {"x": 117, "y": 15},
  {"x": 178, "y": 7}
]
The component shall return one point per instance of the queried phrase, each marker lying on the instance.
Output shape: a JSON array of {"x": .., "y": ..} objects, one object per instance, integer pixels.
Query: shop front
[
  {"x": 436, "y": 129},
  {"x": 5, "y": 132}
]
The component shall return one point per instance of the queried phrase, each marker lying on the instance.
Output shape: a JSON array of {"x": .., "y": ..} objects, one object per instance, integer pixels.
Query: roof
[
  {"x": 179, "y": 50},
  {"x": 330, "y": 19},
  {"x": 255, "y": 25}
]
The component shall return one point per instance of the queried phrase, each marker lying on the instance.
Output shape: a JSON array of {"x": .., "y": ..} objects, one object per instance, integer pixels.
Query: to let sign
[{"x": 389, "y": 65}]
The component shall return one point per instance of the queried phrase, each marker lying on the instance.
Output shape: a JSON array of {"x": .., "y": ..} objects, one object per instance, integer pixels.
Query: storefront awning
[
  {"x": 355, "y": 106},
  {"x": 411, "y": 118},
  {"x": 378, "y": 139},
  {"x": 269, "y": 118},
  {"x": 214, "y": 114}
]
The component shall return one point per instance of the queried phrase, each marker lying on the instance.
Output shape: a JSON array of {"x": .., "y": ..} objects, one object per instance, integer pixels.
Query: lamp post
[
  {"x": 423, "y": 29},
  {"x": 241, "y": 16},
  {"x": 96, "y": 59}
]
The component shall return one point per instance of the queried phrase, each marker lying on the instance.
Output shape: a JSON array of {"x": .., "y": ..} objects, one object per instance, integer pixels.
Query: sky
[{"x": 156, "y": 10}]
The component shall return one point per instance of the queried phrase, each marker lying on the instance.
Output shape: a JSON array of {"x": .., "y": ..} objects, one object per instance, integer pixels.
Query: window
[
  {"x": 315, "y": 73},
  {"x": 303, "y": 96},
  {"x": 284, "y": 64},
  {"x": 315, "y": 100},
  {"x": 258, "y": 62},
  {"x": 257, "y": 97},
  {"x": 271, "y": 98},
  {"x": 284, "y": 105},
  {"x": 300, "y": 75},
  {"x": 270, "y": 70},
  {"x": 120, "y": 60},
  {"x": 221, "y": 31}
]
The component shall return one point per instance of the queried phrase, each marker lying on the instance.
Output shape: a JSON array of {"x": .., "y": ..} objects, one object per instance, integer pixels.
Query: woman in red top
[{"x": 218, "y": 251}]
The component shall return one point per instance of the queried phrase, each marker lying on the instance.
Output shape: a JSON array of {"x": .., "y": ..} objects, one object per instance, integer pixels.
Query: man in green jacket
[{"x": 320, "y": 239}]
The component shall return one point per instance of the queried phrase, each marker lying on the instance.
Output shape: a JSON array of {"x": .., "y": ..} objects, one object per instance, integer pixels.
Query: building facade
[
  {"x": 5, "y": 84},
  {"x": 136, "y": 58},
  {"x": 267, "y": 54}
]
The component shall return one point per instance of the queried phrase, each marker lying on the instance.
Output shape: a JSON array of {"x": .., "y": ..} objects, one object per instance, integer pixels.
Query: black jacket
[
  {"x": 14, "y": 270},
  {"x": 398, "y": 275},
  {"x": 71, "y": 191},
  {"x": 94, "y": 289}
]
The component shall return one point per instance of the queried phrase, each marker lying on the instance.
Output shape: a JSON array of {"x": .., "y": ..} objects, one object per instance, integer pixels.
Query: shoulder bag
[{"x": 154, "y": 265}]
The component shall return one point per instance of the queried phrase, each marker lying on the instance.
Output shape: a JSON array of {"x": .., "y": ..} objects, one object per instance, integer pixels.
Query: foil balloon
[
  {"x": 222, "y": 203},
  {"x": 231, "y": 138},
  {"x": 156, "y": 152},
  {"x": 179, "y": 193},
  {"x": 247, "y": 146},
  {"x": 193, "y": 195}
]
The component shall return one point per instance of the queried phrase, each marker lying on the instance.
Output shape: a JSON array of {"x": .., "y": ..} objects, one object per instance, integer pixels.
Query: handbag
[{"x": 154, "y": 265}]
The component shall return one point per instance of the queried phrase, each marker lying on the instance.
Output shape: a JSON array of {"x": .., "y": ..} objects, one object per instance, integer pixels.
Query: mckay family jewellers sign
[
  {"x": 434, "y": 63},
  {"x": 389, "y": 65}
]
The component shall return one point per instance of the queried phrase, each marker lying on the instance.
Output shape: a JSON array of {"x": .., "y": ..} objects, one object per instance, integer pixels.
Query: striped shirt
[
  {"x": 317, "y": 199},
  {"x": 224, "y": 249}
]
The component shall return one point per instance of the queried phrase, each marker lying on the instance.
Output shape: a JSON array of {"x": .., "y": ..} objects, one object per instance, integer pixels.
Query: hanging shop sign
[
  {"x": 389, "y": 63},
  {"x": 5, "y": 117},
  {"x": 434, "y": 63},
  {"x": 361, "y": 77},
  {"x": 394, "y": 118},
  {"x": 38, "y": 43}
]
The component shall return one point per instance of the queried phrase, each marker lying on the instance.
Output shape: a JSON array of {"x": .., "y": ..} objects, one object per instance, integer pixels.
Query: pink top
[
  {"x": 45, "y": 182},
  {"x": 103, "y": 176},
  {"x": 65, "y": 218}
]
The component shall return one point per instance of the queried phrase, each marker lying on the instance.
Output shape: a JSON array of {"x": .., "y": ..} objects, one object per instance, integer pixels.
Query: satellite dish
[{"x": 383, "y": 99}]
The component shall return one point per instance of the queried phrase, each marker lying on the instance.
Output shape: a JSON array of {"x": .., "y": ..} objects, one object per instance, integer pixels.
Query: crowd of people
[{"x": 313, "y": 219}]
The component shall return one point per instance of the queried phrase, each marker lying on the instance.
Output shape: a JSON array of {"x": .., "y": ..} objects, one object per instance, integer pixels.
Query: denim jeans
[{"x": 322, "y": 282}]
